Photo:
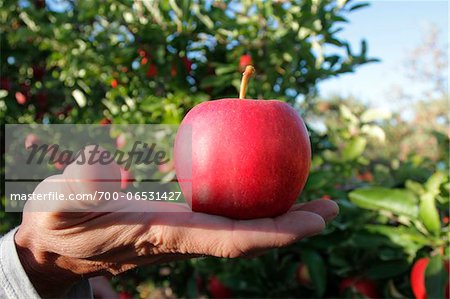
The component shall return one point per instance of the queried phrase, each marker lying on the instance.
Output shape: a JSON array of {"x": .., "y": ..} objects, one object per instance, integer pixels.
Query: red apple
[
  {"x": 417, "y": 278},
  {"x": 361, "y": 286},
  {"x": 121, "y": 141},
  {"x": 126, "y": 177},
  {"x": 303, "y": 276},
  {"x": 5, "y": 83},
  {"x": 187, "y": 63},
  {"x": 241, "y": 158},
  {"x": 125, "y": 295},
  {"x": 173, "y": 70},
  {"x": 23, "y": 95},
  {"x": 152, "y": 70},
  {"x": 105, "y": 121},
  {"x": 217, "y": 289},
  {"x": 20, "y": 98},
  {"x": 114, "y": 83},
  {"x": 166, "y": 167},
  {"x": 245, "y": 60},
  {"x": 366, "y": 176},
  {"x": 30, "y": 140},
  {"x": 142, "y": 52},
  {"x": 59, "y": 166}
]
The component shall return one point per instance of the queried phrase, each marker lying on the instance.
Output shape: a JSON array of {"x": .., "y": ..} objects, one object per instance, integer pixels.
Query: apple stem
[{"x": 249, "y": 70}]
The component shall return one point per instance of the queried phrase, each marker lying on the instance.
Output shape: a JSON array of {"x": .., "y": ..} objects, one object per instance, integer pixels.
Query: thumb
[
  {"x": 93, "y": 171},
  {"x": 87, "y": 185}
]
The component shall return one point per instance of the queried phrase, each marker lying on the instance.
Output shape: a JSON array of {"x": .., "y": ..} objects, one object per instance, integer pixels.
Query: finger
[
  {"x": 328, "y": 209},
  {"x": 198, "y": 233},
  {"x": 87, "y": 174},
  {"x": 80, "y": 186},
  {"x": 284, "y": 230}
]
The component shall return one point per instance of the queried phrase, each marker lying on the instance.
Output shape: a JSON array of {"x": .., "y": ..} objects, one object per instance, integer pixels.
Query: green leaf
[
  {"x": 397, "y": 201},
  {"x": 374, "y": 132},
  {"x": 79, "y": 97},
  {"x": 192, "y": 287},
  {"x": 367, "y": 241},
  {"x": 317, "y": 180},
  {"x": 226, "y": 69},
  {"x": 317, "y": 270},
  {"x": 363, "y": 48},
  {"x": 347, "y": 114},
  {"x": 358, "y": 6},
  {"x": 388, "y": 269},
  {"x": 414, "y": 187},
  {"x": 373, "y": 114},
  {"x": 428, "y": 213},
  {"x": 354, "y": 148},
  {"x": 216, "y": 80},
  {"x": 331, "y": 156},
  {"x": 407, "y": 238},
  {"x": 434, "y": 182},
  {"x": 436, "y": 277}
]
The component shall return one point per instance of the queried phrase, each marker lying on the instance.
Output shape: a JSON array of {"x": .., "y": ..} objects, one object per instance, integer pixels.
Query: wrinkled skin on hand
[{"x": 74, "y": 239}]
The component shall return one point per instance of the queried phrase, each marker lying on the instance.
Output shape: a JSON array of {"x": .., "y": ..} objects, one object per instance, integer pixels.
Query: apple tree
[{"x": 150, "y": 62}]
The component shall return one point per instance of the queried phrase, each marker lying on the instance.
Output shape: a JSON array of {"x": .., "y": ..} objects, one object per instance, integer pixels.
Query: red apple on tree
[
  {"x": 105, "y": 121},
  {"x": 303, "y": 276},
  {"x": 166, "y": 167},
  {"x": 59, "y": 166},
  {"x": 245, "y": 60},
  {"x": 121, "y": 141},
  {"x": 417, "y": 278},
  {"x": 23, "y": 95},
  {"x": 217, "y": 289},
  {"x": 125, "y": 295},
  {"x": 126, "y": 178},
  {"x": 31, "y": 140},
  {"x": 242, "y": 158},
  {"x": 187, "y": 63},
  {"x": 173, "y": 70},
  {"x": 20, "y": 98},
  {"x": 152, "y": 70},
  {"x": 142, "y": 52},
  {"x": 114, "y": 83},
  {"x": 5, "y": 83},
  {"x": 359, "y": 286}
]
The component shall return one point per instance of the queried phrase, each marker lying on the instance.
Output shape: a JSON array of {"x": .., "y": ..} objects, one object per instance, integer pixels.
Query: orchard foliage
[{"x": 151, "y": 61}]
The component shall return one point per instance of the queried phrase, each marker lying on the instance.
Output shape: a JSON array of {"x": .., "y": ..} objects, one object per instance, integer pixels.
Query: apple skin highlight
[{"x": 242, "y": 159}]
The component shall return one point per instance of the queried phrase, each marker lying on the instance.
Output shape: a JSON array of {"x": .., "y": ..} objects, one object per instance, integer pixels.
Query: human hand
[{"x": 58, "y": 247}]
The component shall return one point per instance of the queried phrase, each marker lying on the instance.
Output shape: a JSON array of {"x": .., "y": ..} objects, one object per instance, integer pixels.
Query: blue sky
[{"x": 392, "y": 29}]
